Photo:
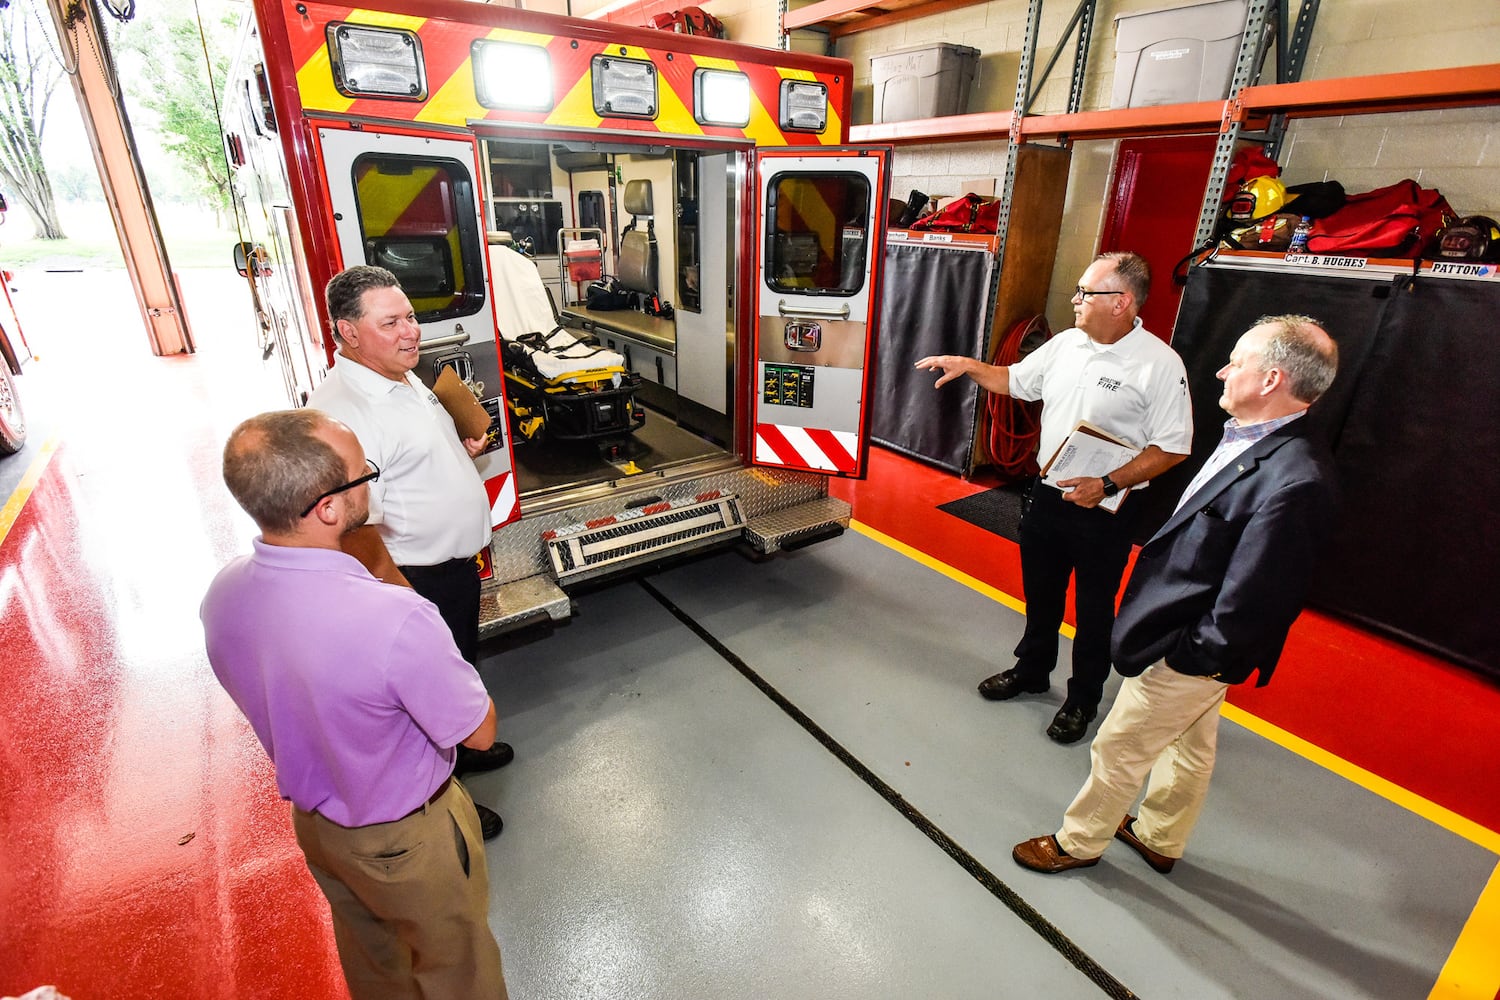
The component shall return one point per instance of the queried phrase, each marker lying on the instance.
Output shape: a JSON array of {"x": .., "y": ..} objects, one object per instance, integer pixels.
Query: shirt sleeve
[
  {"x": 1028, "y": 374},
  {"x": 1169, "y": 416},
  {"x": 434, "y": 684}
]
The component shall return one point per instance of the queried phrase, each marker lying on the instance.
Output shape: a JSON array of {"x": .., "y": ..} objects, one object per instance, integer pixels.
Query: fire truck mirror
[{"x": 248, "y": 255}]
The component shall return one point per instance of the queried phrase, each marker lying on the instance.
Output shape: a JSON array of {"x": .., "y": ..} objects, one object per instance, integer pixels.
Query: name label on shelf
[
  {"x": 1326, "y": 260},
  {"x": 1473, "y": 270}
]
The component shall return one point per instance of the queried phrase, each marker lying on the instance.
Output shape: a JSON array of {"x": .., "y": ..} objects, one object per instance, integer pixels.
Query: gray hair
[
  {"x": 1133, "y": 271},
  {"x": 1301, "y": 349},
  {"x": 275, "y": 463},
  {"x": 345, "y": 292}
]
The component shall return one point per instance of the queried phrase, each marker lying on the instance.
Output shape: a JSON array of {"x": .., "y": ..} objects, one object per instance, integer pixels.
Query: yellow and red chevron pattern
[{"x": 446, "y": 41}]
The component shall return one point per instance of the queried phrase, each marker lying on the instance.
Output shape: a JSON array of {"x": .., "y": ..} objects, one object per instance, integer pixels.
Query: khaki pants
[
  {"x": 410, "y": 901},
  {"x": 1164, "y": 724}
]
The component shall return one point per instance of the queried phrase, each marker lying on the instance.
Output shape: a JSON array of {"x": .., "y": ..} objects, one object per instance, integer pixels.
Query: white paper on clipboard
[{"x": 1090, "y": 451}]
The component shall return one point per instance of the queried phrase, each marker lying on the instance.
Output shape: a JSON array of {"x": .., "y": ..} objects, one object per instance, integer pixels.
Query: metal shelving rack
[{"x": 1252, "y": 111}]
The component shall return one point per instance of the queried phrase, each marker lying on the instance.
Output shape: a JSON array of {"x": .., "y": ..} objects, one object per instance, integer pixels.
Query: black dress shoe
[
  {"x": 490, "y": 824},
  {"x": 1007, "y": 684},
  {"x": 1071, "y": 722},
  {"x": 475, "y": 761}
]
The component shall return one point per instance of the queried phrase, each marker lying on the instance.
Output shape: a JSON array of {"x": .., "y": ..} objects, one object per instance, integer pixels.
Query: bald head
[{"x": 276, "y": 463}]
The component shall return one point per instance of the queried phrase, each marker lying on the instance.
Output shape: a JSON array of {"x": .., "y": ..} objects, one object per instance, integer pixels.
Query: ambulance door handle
[
  {"x": 840, "y": 312},
  {"x": 448, "y": 341}
]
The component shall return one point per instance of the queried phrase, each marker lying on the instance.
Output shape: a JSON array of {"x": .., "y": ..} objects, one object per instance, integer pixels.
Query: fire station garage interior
[{"x": 741, "y": 776}]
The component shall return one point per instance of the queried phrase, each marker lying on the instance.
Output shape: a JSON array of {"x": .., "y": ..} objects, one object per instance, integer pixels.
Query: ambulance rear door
[
  {"x": 411, "y": 203},
  {"x": 820, "y": 238}
]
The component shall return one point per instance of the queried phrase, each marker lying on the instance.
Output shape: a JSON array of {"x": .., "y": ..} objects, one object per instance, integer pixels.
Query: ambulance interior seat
[
  {"x": 637, "y": 267},
  {"x": 558, "y": 382},
  {"x": 637, "y": 246}
]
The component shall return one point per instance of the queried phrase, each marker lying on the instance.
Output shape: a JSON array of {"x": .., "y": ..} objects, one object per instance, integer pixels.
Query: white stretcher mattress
[{"x": 522, "y": 307}]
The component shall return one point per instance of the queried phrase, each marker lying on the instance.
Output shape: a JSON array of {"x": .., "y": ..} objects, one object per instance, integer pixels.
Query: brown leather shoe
[
  {"x": 1126, "y": 833},
  {"x": 1043, "y": 854}
]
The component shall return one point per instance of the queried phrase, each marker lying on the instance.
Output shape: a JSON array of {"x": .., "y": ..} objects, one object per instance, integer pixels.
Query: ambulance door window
[
  {"x": 817, "y": 233},
  {"x": 416, "y": 220}
]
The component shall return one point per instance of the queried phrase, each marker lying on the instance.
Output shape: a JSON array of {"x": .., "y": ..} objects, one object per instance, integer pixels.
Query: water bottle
[{"x": 1300, "y": 235}]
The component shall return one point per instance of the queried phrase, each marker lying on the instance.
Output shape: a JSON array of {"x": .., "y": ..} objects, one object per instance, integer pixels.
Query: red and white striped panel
[
  {"x": 806, "y": 448},
  {"x": 503, "y": 500}
]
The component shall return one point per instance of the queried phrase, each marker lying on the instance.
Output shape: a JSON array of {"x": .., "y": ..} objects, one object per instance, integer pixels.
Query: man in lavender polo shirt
[{"x": 359, "y": 696}]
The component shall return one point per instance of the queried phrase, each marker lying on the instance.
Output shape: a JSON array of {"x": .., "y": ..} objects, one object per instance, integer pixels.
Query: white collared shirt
[
  {"x": 429, "y": 503},
  {"x": 1135, "y": 389}
]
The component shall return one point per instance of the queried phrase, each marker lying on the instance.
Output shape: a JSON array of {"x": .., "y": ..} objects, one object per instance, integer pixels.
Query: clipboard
[{"x": 1090, "y": 451}]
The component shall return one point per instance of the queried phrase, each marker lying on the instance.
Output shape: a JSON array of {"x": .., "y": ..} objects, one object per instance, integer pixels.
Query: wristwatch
[{"x": 1110, "y": 489}]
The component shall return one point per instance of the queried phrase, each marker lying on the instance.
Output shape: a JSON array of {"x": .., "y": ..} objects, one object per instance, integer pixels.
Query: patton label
[{"x": 1473, "y": 270}]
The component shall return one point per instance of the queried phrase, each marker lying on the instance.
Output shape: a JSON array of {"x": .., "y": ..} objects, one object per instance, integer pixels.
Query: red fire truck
[
  {"x": 652, "y": 257},
  {"x": 13, "y": 351}
]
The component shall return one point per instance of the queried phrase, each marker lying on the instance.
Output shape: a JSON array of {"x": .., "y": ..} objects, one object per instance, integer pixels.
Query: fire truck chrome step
[
  {"x": 523, "y": 602},
  {"x": 639, "y": 534},
  {"x": 804, "y": 524}
]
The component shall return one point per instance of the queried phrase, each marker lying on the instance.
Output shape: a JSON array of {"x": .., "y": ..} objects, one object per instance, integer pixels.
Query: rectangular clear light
[
  {"x": 383, "y": 62},
  {"x": 512, "y": 75},
  {"x": 624, "y": 88},
  {"x": 721, "y": 97},
  {"x": 804, "y": 106}
]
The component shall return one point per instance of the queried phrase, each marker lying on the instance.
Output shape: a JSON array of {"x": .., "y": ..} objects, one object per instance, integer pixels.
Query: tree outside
[{"x": 30, "y": 70}]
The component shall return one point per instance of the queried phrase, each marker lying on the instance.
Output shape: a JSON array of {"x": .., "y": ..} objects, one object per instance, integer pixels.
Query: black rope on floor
[{"x": 1012, "y": 900}]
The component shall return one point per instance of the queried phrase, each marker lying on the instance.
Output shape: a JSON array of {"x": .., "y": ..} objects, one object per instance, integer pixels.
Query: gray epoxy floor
[{"x": 671, "y": 832}]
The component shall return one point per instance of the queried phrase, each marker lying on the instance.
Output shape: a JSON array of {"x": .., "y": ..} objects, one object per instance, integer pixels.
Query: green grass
[{"x": 191, "y": 237}]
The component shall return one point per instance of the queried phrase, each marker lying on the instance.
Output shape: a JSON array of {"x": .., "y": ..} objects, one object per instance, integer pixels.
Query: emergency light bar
[
  {"x": 804, "y": 106},
  {"x": 721, "y": 97},
  {"x": 511, "y": 75},
  {"x": 383, "y": 62},
  {"x": 624, "y": 88}
]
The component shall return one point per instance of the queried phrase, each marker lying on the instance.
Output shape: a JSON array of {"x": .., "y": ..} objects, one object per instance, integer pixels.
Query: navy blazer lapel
[{"x": 1242, "y": 465}]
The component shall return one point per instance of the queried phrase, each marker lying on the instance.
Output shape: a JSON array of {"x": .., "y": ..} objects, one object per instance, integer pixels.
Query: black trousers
[
  {"x": 454, "y": 587},
  {"x": 1058, "y": 540}
]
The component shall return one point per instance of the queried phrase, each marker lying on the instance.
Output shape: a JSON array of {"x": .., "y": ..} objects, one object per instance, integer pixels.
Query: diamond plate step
[
  {"x": 522, "y": 602},
  {"x": 803, "y": 524}
]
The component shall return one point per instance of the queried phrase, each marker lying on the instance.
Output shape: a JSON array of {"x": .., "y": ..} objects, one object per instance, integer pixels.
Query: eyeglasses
[
  {"x": 368, "y": 477},
  {"x": 1083, "y": 293}
]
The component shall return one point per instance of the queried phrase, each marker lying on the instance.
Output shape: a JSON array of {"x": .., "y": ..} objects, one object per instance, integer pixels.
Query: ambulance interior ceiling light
[
  {"x": 721, "y": 97},
  {"x": 514, "y": 76},
  {"x": 624, "y": 87},
  {"x": 384, "y": 61},
  {"x": 804, "y": 106}
]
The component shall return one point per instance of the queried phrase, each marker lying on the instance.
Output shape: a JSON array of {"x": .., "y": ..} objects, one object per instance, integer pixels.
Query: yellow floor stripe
[
  {"x": 1388, "y": 790},
  {"x": 1471, "y": 972},
  {"x": 12, "y": 508},
  {"x": 958, "y": 576}
]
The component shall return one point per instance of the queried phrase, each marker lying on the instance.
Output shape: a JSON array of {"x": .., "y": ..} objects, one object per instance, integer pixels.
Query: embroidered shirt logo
[{"x": 1112, "y": 384}]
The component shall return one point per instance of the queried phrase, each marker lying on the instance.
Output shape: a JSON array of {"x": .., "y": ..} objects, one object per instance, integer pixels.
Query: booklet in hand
[
  {"x": 1090, "y": 451},
  {"x": 469, "y": 415}
]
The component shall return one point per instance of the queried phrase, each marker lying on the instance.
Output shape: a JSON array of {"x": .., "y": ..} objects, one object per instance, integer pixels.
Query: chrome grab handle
[
  {"x": 840, "y": 312},
  {"x": 431, "y": 345}
]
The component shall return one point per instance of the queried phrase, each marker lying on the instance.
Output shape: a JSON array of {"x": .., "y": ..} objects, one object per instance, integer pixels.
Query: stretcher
[{"x": 559, "y": 384}]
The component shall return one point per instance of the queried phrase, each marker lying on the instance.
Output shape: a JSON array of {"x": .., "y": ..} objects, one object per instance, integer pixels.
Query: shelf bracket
[{"x": 1083, "y": 20}]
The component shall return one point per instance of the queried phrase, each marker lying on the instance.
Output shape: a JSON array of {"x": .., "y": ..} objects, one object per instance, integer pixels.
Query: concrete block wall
[{"x": 1456, "y": 151}]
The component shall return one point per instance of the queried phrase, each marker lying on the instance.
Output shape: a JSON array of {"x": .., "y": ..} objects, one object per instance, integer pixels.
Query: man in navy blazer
[{"x": 1210, "y": 602}]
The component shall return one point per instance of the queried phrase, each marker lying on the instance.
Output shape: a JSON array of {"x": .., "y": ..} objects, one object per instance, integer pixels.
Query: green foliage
[{"x": 169, "y": 78}]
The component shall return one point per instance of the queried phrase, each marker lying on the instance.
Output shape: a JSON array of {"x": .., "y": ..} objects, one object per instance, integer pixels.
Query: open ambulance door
[
  {"x": 820, "y": 238},
  {"x": 412, "y": 204}
]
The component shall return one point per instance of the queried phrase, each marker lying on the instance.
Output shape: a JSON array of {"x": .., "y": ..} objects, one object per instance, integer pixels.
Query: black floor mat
[{"x": 997, "y": 510}]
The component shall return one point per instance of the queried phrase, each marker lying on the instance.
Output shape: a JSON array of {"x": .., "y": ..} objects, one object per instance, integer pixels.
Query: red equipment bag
[
  {"x": 689, "y": 21},
  {"x": 967, "y": 214},
  {"x": 1396, "y": 221}
]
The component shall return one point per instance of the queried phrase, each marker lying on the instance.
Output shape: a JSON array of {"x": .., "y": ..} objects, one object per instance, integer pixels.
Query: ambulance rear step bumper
[
  {"x": 521, "y": 603},
  {"x": 640, "y": 535},
  {"x": 794, "y": 527}
]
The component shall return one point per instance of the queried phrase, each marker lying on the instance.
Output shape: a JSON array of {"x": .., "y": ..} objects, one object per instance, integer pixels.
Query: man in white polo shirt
[
  {"x": 1111, "y": 372},
  {"x": 428, "y": 509}
]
